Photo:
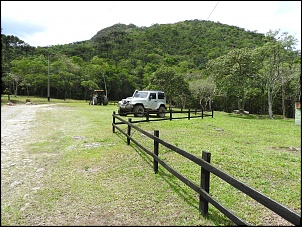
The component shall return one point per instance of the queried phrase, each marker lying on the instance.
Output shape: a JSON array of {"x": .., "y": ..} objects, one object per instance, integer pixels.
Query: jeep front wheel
[
  {"x": 138, "y": 111},
  {"x": 161, "y": 112},
  {"x": 121, "y": 113}
]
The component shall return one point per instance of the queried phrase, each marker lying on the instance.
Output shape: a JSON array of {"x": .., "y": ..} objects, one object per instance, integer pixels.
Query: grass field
[{"x": 94, "y": 178}]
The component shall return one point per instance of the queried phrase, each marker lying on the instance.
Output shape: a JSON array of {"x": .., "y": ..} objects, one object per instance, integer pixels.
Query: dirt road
[{"x": 20, "y": 171}]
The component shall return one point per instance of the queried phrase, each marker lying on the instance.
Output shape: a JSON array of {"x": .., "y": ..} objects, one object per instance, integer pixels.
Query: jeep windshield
[{"x": 140, "y": 94}]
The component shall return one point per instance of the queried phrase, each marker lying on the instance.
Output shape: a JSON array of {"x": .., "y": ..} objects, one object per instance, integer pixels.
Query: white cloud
[{"x": 72, "y": 21}]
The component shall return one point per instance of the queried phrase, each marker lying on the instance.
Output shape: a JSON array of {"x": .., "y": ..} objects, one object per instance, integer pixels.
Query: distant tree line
[{"x": 197, "y": 63}]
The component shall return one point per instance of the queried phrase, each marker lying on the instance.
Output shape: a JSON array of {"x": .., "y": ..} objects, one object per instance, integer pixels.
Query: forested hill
[
  {"x": 194, "y": 61},
  {"x": 194, "y": 40}
]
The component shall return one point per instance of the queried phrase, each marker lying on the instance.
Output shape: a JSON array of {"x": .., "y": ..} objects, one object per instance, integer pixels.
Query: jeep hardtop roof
[
  {"x": 136, "y": 92},
  {"x": 148, "y": 91}
]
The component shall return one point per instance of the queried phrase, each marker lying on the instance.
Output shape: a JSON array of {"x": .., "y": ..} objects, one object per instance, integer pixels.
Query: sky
[{"x": 45, "y": 23}]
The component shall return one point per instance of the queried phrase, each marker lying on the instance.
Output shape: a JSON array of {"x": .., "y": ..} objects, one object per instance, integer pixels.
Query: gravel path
[{"x": 19, "y": 170}]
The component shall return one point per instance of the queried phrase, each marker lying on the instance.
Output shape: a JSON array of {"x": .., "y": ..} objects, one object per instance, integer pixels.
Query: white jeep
[{"x": 143, "y": 101}]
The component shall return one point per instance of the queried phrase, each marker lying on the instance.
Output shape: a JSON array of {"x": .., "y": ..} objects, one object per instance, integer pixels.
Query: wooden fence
[
  {"x": 172, "y": 115},
  {"x": 206, "y": 169}
]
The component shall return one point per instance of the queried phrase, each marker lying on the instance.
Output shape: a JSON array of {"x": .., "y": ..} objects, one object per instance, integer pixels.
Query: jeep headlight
[{"x": 123, "y": 102}]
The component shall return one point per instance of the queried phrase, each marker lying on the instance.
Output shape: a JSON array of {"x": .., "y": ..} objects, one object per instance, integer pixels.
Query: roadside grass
[
  {"x": 262, "y": 153},
  {"x": 92, "y": 177},
  {"x": 21, "y": 99}
]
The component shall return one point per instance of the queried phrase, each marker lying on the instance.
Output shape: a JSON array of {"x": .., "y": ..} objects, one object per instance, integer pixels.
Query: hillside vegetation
[{"x": 197, "y": 63}]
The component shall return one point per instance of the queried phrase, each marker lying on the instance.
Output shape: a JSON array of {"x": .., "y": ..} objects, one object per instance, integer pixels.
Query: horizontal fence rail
[
  {"x": 171, "y": 115},
  {"x": 206, "y": 169}
]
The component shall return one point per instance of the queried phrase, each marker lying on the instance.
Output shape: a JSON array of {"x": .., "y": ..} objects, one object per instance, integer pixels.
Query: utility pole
[
  {"x": 48, "y": 85},
  {"x": 105, "y": 84}
]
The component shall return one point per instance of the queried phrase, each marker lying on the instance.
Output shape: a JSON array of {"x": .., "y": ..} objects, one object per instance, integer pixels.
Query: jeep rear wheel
[
  {"x": 139, "y": 111},
  {"x": 161, "y": 112}
]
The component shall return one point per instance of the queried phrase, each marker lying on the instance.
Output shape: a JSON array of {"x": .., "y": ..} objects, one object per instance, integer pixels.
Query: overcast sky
[{"x": 43, "y": 23}]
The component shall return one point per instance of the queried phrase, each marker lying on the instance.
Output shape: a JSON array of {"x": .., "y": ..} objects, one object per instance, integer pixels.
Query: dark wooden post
[
  {"x": 170, "y": 114},
  {"x": 129, "y": 131},
  {"x": 202, "y": 113},
  {"x": 147, "y": 116},
  {"x": 155, "y": 163},
  {"x": 189, "y": 114},
  {"x": 113, "y": 122},
  {"x": 204, "y": 184},
  {"x": 212, "y": 108}
]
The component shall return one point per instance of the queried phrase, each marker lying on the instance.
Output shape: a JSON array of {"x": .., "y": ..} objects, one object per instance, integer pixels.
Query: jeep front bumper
[{"x": 124, "y": 107}]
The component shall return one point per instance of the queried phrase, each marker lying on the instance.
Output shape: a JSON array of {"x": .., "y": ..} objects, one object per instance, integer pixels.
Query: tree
[
  {"x": 15, "y": 80},
  {"x": 19, "y": 69},
  {"x": 89, "y": 86},
  {"x": 99, "y": 69},
  {"x": 275, "y": 59},
  {"x": 164, "y": 79},
  {"x": 181, "y": 90},
  {"x": 232, "y": 73},
  {"x": 203, "y": 91},
  {"x": 291, "y": 67}
]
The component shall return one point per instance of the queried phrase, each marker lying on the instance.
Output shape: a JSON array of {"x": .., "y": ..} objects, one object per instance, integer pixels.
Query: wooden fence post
[
  {"x": 147, "y": 116},
  {"x": 204, "y": 184},
  {"x": 170, "y": 114},
  {"x": 155, "y": 163},
  {"x": 212, "y": 108},
  {"x": 129, "y": 131},
  {"x": 113, "y": 122},
  {"x": 189, "y": 114},
  {"x": 202, "y": 113}
]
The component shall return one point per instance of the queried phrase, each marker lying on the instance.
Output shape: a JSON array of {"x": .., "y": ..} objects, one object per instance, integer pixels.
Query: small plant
[{"x": 7, "y": 91}]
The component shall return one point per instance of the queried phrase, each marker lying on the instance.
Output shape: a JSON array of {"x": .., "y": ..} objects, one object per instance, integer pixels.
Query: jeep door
[{"x": 152, "y": 104}]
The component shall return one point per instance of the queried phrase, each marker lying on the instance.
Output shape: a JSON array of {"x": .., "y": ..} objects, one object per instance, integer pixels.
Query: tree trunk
[
  {"x": 105, "y": 85},
  {"x": 16, "y": 90},
  {"x": 243, "y": 104},
  {"x": 283, "y": 100},
  {"x": 27, "y": 91},
  {"x": 270, "y": 104},
  {"x": 239, "y": 107}
]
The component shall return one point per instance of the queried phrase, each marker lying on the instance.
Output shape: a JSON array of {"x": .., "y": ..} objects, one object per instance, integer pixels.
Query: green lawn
[{"x": 94, "y": 178}]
